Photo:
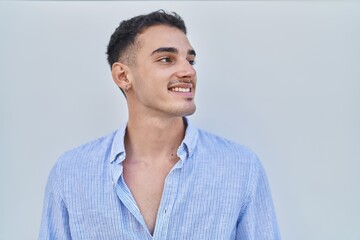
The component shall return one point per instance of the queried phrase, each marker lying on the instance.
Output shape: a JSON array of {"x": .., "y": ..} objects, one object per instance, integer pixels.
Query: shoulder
[
  {"x": 233, "y": 165},
  {"x": 77, "y": 168},
  {"x": 85, "y": 157},
  {"x": 224, "y": 148},
  {"x": 228, "y": 158}
]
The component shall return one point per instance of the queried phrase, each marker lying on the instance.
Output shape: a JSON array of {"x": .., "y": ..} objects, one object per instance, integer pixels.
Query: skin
[{"x": 164, "y": 61}]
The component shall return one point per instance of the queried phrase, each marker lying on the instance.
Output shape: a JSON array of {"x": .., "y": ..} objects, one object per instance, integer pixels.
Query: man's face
[{"x": 163, "y": 77}]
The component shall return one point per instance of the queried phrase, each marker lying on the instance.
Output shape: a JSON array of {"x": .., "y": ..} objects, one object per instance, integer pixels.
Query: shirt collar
[
  {"x": 185, "y": 150},
  {"x": 118, "y": 148},
  {"x": 189, "y": 142}
]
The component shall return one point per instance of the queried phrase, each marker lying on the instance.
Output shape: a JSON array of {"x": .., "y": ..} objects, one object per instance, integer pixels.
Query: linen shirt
[{"x": 217, "y": 190}]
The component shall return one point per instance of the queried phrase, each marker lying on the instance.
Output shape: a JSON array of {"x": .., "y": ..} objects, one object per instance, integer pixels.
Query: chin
[
  {"x": 180, "y": 110},
  {"x": 189, "y": 111}
]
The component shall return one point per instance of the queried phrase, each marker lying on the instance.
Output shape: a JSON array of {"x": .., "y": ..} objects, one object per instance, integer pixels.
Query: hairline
[{"x": 129, "y": 55}]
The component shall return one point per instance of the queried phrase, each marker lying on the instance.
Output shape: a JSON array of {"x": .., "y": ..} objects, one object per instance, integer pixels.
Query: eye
[
  {"x": 165, "y": 60},
  {"x": 192, "y": 62}
]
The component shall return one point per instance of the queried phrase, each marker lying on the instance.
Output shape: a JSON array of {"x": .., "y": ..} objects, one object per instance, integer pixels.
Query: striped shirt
[{"x": 217, "y": 190}]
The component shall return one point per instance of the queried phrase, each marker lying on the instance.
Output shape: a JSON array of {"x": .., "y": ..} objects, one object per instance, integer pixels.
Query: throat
[{"x": 156, "y": 140}]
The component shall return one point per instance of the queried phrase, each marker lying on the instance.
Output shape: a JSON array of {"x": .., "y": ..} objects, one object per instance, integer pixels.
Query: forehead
[{"x": 159, "y": 36}]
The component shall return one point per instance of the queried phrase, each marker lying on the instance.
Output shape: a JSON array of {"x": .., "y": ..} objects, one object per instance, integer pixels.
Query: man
[{"x": 158, "y": 176}]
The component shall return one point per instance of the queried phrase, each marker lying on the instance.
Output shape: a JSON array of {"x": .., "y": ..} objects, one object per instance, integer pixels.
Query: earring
[{"x": 126, "y": 88}]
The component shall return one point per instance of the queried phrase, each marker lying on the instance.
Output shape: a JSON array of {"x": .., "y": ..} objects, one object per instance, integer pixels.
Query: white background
[{"x": 281, "y": 77}]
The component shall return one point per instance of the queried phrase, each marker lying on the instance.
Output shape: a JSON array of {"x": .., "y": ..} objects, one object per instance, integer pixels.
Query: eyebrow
[{"x": 172, "y": 50}]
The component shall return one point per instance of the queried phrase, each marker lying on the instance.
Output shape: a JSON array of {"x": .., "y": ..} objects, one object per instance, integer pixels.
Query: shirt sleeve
[
  {"x": 55, "y": 220},
  {"x": 257, "y": 219}
]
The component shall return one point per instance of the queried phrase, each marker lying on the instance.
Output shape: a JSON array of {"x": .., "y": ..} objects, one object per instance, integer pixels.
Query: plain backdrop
[{"x": 281, "y": 77}]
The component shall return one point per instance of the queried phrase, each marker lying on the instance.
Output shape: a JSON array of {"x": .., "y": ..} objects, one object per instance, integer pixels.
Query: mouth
[{"x": 180, "y": 89}]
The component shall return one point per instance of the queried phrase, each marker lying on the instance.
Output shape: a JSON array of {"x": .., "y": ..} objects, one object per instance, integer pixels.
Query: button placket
[
  {"x": 123, "y": 192},
  {"x": 168, "y": 198}
]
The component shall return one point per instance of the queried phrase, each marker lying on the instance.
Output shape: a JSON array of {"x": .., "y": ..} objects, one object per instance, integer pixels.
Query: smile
[{"x": 179, "y": 89}]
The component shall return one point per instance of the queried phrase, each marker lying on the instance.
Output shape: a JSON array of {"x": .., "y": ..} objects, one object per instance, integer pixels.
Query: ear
[{"x": 119, "y": 73}]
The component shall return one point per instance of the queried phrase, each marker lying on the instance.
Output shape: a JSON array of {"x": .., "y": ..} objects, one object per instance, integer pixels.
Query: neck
[{"x": 153, "y": 139}]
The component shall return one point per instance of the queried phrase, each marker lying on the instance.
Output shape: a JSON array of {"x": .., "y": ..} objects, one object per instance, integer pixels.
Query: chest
[
  {"x": 197, "y": 206},
  {"x": 147, "y": 185}
]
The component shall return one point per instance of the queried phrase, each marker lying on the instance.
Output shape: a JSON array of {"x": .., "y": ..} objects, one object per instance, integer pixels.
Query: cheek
[
  {"x": 152, "y": 81},
  {"x": 147, "y": 87}
]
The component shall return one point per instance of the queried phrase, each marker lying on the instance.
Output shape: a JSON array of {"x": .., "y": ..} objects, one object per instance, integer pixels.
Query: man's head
[
  {"x": 122, "y": 45},
  {"x": 152, "y": 61}
]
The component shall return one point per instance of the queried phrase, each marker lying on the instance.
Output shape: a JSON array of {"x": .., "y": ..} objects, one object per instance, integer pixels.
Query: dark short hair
[{"x": 124, "y": 37}]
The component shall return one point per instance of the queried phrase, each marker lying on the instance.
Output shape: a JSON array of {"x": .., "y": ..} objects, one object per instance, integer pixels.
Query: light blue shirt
[{"x": 217, "y": 190}]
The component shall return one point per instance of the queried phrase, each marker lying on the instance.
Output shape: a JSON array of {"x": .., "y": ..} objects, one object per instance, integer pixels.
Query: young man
[{"x": 158, "y": 176}]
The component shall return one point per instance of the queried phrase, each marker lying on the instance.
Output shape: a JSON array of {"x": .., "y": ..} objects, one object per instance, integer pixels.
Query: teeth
[{"x": 177, "y": 89}]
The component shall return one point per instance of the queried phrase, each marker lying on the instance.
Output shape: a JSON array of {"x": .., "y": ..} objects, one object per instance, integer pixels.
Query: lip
[
  {"x": 189, "y": 94},
  {"x": 180, "y": 85}
]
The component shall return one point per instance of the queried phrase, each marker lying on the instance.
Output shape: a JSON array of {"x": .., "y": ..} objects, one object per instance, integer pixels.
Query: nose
[{"x": 186, "y": 71}]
